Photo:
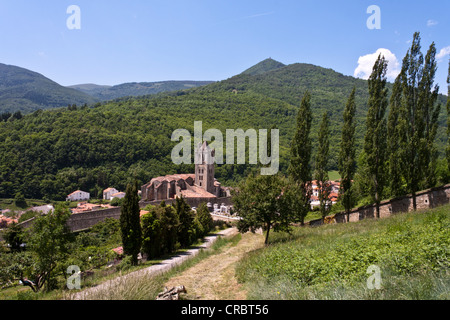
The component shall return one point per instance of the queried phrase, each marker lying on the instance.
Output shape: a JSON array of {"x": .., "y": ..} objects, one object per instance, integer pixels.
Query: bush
[
  {"x": 19, "y": 200},
  {"x": 125, "y": 264},
  {"x": 205, "y": 219}
]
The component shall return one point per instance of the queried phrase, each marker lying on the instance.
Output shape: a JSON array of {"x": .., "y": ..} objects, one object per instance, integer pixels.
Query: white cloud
[
  {"x": 431, "y": 23},
  {"x": 444, "y": 52},
  {"x": 365, "y": 64}
]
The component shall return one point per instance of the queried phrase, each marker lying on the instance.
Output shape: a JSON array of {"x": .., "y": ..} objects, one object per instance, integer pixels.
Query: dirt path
[
  {"x": 214, "y": 277},
  {"x": 153, "y": 270}
]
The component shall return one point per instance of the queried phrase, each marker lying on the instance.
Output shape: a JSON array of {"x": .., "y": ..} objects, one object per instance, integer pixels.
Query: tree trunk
[
  {"x": 377, "y": 199},
  {"x": 266, "y": 242}
]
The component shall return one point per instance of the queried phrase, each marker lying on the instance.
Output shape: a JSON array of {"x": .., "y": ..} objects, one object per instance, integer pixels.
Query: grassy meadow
[{"x": 331, "y": 262}]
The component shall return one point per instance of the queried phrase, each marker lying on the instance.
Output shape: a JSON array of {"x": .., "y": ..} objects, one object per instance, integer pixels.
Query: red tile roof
[
  {"x": 6, "y": 221},
  {"x": 118, "y": 250}
]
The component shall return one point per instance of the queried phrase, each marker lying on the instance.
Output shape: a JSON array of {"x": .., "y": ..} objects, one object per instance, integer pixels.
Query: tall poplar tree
[
  {"x": 448, "y": 117},
  {"x": 418, "y": 118},
  {"x": 130, "y": 224},
  {"x": 321, "y": 167},
  {"x": 347, "y": 162},
  {"x": 299, "y": 167},
  {"x": 376, "y": 134},
  {"x": 428, "y": 95},
  {"x": 396, "y": 125}
]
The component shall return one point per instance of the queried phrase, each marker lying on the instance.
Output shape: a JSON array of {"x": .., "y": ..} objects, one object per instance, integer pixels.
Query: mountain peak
[{"x": 263, "y": 67}]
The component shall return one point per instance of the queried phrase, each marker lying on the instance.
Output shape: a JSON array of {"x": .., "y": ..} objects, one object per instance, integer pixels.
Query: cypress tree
[
  {"x": 186, "y": 220},
  {"x": 321, "y": 167},
  {"x": 376, "y": 134},
  {"x": 299, "y": 167},
  {"x": 130, "y": 224},
  {"x": 347, "y": 162},
  {"x": 169, "y": 225}
]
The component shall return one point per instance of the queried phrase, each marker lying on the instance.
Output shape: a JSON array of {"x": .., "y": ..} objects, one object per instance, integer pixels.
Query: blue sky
[{"x": 149, "y": 40}]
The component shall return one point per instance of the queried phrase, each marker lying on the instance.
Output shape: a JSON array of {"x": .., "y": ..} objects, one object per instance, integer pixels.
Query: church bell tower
[{"x": 204, "y": 167}]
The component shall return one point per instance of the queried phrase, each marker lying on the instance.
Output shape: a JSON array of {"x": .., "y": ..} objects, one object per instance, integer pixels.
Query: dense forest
[
  {"x": 135, "y": 89},
  {"x": 27, "y": 91},
  {"x": 48, "y": 154}
]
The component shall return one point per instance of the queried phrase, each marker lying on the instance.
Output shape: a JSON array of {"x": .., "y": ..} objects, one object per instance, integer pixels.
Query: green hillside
[
  {"x": 135, "y": 89},
  {"x": 331, "y": 262},
  {"x": 26, "y": 91},
  {"x": 51, "y": 153},
  {"x": 263, "y": 67},
  {"x": 329, "y": 92}
]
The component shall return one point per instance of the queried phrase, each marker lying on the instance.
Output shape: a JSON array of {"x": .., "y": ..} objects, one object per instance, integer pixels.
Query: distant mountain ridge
[
  {"x": 135, "y": 89},
  {"x": 27, "y": 91}
]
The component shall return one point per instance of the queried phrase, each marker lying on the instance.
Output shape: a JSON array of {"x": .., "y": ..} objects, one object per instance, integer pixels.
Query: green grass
[
  {"x": 334, "y": 175},
  {"x": 9, "y": 204},
  {"x": 330, "y": 262}
]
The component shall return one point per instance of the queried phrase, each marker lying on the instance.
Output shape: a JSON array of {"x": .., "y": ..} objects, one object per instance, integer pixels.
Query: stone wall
[
  {"x": 86, "y": 220},
  {"x": 425, "y": 199}
]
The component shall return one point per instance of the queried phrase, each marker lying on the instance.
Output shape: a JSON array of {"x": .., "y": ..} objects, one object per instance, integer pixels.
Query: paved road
[{"x": 159, "y": 268}]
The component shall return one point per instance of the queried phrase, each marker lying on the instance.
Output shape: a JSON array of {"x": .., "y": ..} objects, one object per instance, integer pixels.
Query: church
[{"x": 201, "y": 184}]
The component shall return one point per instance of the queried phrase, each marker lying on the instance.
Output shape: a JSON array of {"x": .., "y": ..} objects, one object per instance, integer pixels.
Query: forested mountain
[
  {"x": 263, "y": 67},
  {"x": 52, "y": 153},
  {"x": 26, "y": 91},
  {"x": 135, "y": 89}
]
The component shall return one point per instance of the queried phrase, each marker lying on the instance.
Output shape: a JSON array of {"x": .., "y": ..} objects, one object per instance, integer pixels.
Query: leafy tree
[
  {"x": 261, "y": 203},
  {"x": 19, "y": 200},
  {"x": 13, "y": 235},
  {"x": 186, "y": 220},
  {"x": 376, "y": 134},
  {"x": 419, "y": 115},
  {"x": 321, "y": 167},
  {"x": 130, "y": 223},
  {"x": 205, "y": 218},
  {"x": 396, "y": 125},
  {"x": 448, "y": 117},
  {"x": 347, "y": 162},
  {"x": 18, "y": 266},
  {"x": 169, "y": 227},
  {"x": 151, "y": 234},
  {"x": 48, "y": 239},
  {"x": 299, "y": 167},
  {"x": 427, "y": 100}
]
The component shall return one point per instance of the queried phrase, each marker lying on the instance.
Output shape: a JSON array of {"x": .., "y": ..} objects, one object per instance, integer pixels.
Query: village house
[
  {"x": 87, "y": 207},
  {"x": 45, "y": 209},
  {"x": 118, "y": 195},
  {"x": 333, "y": 196},
  {"x": 200, "y": 184},
  {"x": 6, "y": 221},
  {"x": 107, "y": 193},
  {"x": 78, "y": 196}
]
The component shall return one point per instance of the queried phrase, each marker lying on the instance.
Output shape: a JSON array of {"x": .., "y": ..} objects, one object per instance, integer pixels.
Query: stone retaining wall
[{"x": 425, "y": 199}]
